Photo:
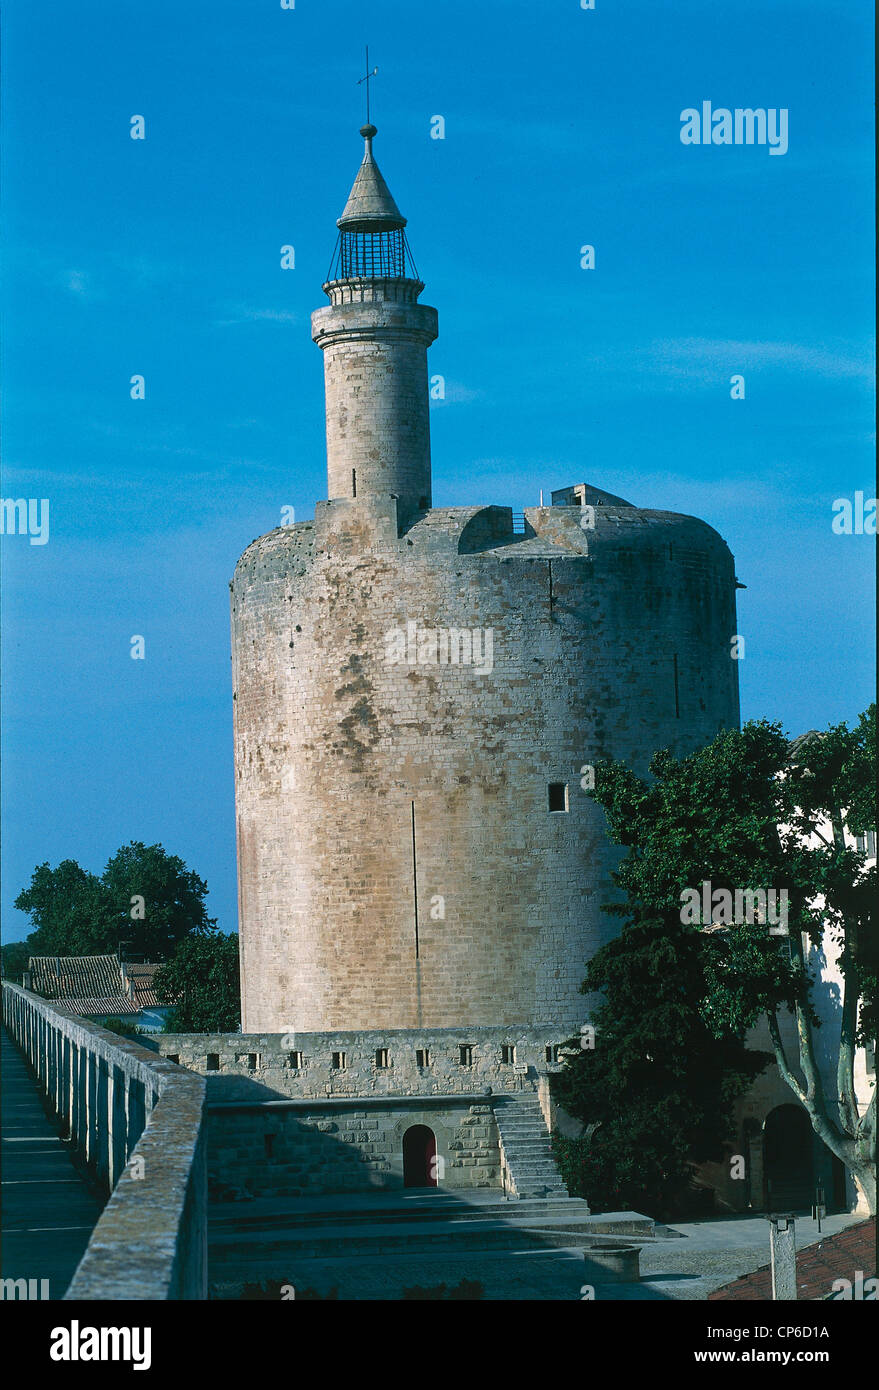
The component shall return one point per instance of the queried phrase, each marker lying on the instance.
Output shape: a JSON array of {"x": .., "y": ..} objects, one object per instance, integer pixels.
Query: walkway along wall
[{"x": 137, "y": 1119}]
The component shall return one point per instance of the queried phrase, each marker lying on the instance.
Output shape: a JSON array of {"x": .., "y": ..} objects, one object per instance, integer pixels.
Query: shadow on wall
[
  {"x": 288, "y": 1155},
  {"x": 302, "y": 1149}
]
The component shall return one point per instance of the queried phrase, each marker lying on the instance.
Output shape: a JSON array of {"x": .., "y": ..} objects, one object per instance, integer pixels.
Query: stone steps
[
  {"x": 271, "y": 1250},
  {"x": 272, "y": 1215},
  {"x": 526, "y": 1149}
]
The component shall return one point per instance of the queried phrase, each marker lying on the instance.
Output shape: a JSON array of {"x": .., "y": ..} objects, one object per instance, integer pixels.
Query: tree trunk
[{"x": 855, "y": 1150}]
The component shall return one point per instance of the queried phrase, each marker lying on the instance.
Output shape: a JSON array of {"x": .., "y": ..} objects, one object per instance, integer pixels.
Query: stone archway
[
  {"x": 788, "y": 1159},
  {"x": 419, "y": 1157}
]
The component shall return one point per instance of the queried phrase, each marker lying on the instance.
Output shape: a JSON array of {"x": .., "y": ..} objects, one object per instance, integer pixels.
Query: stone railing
[{"x": 137, "y": 1120}]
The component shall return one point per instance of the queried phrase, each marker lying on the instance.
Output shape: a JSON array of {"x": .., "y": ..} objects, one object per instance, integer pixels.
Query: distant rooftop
[{"x": 87, "y": 985}]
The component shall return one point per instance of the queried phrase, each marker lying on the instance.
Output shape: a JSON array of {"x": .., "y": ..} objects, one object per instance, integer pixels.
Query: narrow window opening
[
  {"x": 552, "y": 1053},
  {"x": 381, "y": 1058},
  {"x": 340, "y": 1061},
  {"x": 353, "y": 482},
  {"x": 558, "y": 796},
  {"x": 213, "y": 1061},
  {"x": 422, "y": 1057},
  {"x": 296, "y": 1061},
  {"x": 508, "y": 1055},
  {"x": 174, "y": 1057},
  {"x": 465, "y": 1055}
]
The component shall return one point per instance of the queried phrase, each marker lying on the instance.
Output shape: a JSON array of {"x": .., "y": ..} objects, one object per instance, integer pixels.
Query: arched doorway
[
  {"x": 788, "y": 1167},
  {"x": 419, "y": 1157}
]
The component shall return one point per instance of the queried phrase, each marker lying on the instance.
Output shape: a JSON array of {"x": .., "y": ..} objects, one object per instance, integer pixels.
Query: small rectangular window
[
  {"x": 558, "y": 796},
  {"x": 340, "y": 1061},
  {"x": 508, "y": 1055},
  {"x": 465, "y": 1055},
  {"x": 552, "y": 1053},
  {"x": 174, "y": 1057},
  {"x": 296, "y": 1061},
  {"x": 213, "y": 1061},
  {"x": 422, "y": 1057},
  {"x": 381, "y": 1058},
  {"x": 248, "y": 1059}
]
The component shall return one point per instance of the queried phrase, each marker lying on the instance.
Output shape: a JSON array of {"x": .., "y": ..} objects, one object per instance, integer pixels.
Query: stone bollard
[{"x": 783, "y": 1249}]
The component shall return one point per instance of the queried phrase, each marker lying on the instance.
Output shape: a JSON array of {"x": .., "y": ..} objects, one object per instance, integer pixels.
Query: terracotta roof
[
  {"x": 86, "y": 985},
  {"x": 140, "y": 975},
  {"x": 835, "y": 1257},
  {"x": 75, "y": 977},
  {"x": 114, "y": 1005}
]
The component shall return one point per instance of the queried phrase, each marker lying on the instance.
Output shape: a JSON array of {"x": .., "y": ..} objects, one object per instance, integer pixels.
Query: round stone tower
[{"x": 420, "y": 694}]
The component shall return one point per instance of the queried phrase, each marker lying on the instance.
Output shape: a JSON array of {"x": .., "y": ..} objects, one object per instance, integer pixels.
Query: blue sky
[{"x": 162, "y": 257}]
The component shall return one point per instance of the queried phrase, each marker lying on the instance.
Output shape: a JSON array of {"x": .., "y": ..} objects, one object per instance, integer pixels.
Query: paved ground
[
  {"x": 685, "y": 1261},
  {"x": 49, "y": 1211}
]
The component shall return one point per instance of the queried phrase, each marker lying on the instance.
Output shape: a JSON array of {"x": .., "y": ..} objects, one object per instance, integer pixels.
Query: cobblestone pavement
[{"x": 694, "y": 1259}]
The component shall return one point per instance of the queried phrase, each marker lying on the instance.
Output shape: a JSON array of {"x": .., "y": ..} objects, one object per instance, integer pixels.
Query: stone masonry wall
[
  {"x": 288, "y": 1150},
  {"x": 377, "y": 400},
  {"x": 264, "y": 1066},
  {"x": 399, "y": 866}
]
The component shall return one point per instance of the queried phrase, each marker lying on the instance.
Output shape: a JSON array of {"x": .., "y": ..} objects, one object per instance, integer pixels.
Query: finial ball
[{"x": 368, "y": 131}]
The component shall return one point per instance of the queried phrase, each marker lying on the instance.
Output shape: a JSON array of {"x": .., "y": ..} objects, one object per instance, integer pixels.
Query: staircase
[{"x": 527, "y": 1165}]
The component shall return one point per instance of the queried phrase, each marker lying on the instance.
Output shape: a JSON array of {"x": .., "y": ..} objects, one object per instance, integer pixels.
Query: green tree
[
  {"x": 201, "y": 981},
  {"x": 656, "y": 1090},
  {"x": 145, "y": 879},
  {"x": 69, "y": 910},
  {"x": 15, "y": 956},
  {"x": 750, "y": 811},
  {"x": 146, "y": 898}
]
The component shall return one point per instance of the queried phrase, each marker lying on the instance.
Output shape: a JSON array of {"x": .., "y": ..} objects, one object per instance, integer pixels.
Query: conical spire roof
[{"x": 370, "y": 207}]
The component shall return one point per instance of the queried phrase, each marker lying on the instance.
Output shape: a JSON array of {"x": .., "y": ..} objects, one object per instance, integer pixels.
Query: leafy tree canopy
[
  {"x": 202, "y": 981},
  {"x": 146, "y": 898},
  {"x": 745, "y": 813}
]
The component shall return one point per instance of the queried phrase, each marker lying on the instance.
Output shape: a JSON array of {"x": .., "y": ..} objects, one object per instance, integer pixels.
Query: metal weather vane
[{"x": 366, "y": 79}]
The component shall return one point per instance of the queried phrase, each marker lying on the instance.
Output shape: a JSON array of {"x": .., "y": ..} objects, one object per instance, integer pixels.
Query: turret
[{"x": 374, "y": 336}]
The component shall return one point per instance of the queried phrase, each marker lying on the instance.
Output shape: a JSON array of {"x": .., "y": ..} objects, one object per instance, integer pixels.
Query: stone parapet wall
[
  {"x": 253, "y": 1066},
  {"x": 137, "y": 1120}
]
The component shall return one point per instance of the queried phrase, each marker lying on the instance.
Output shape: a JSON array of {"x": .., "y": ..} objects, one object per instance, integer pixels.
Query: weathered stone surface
[
  {"x": 613, "y": 647},
  {"x": 141, "y": 1130}
]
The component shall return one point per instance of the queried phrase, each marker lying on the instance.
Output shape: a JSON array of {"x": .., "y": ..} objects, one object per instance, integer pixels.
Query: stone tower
[
  {"x": 374, "y": 337},
  {"x": 420, "y": 692}
]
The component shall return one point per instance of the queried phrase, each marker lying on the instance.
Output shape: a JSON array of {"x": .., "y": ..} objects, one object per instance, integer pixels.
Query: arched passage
[
  {"x": 419, "y": 1157},
  {"x": 788, "y": 1166}
]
